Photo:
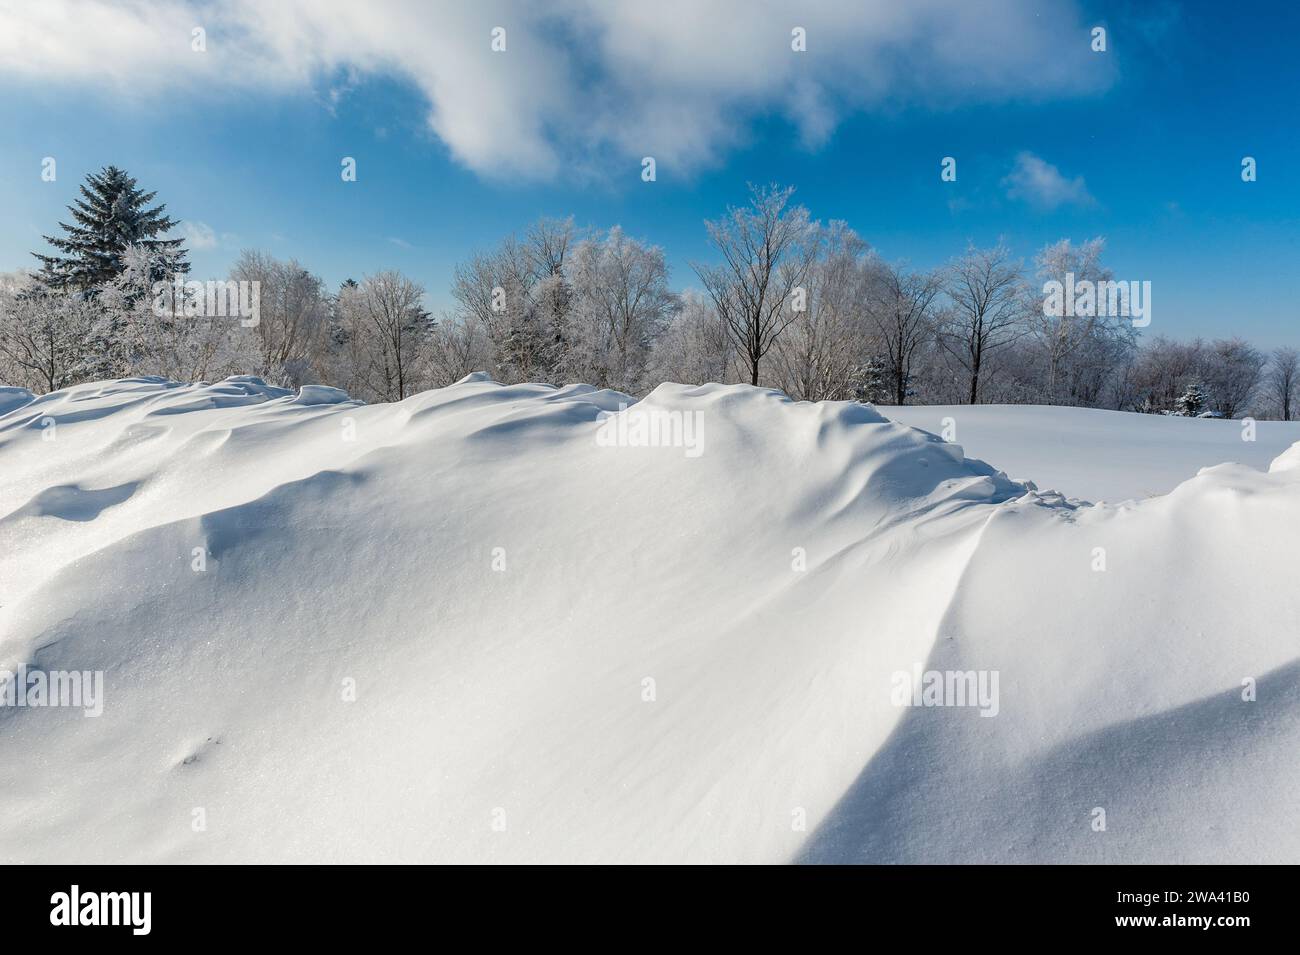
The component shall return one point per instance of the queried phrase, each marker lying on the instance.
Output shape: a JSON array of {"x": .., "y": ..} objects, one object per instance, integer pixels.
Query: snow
[
  {"x": 500, "y": 587},
  {"x": 1099, "y": 455},
  {"x": 11, "y": 398}
]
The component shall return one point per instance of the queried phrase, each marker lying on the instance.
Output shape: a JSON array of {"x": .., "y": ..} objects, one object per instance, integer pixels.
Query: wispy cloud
[
  {"x": 580, "y": 82},
  {"x": 1037, "y": 182},
  {"x": 198, "y": 235}
]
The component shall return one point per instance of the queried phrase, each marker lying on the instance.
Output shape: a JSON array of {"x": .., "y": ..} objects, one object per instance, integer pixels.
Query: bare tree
[
  {"x": 903, "y": 312},
  {"x": 44, "y": 335},
  {"x": 1164, "y": 369},
  {"x": 547, "y": 251},
  {"x": 1068, "y": 340},
  {"x": 396, "y": 327},
  {"x": 767, "y": 250},
  {"x": 989, "y": 302},
  {"x": 1232, "y": 374},
  {"x": 458, "y": 346},
  {"x": 821, "y": 353},
  {"x": 1283, "y": 378},
  {"x": 520, "y": 296},
  {"x": 294, "y": 316},
  {"x": 621, "y": 303},
  {"x": 342, "y": 361},
  {"x": 694, "y": 348}
]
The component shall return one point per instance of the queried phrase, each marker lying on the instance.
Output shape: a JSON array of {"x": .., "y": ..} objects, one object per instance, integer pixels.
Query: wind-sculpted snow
[
  {"x": 11, "y": 398},
  {"x": 521, "y": 623}
]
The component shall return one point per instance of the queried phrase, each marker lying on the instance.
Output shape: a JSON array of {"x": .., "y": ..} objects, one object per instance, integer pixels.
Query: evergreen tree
[
  {"x": 112, "y": 215},
  {"x": 1193, "y": 401},
  {"x": 868, "y": 381}
]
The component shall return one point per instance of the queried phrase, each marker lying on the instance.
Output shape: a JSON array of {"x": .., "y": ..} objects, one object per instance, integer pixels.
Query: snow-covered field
[
  {"x": 1100, "y": 455},
  {"x": 481, "y": 625}
]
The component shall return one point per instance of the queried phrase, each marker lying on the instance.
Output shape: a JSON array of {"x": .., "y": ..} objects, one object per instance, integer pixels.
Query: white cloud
[
  {"x": 583, "y": 84},
  {"x": 198, "y": 235},
  {"x": 1041, "y": 185}
]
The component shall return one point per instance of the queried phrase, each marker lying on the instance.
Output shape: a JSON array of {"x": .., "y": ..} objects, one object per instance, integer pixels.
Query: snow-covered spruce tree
[
  {"x": 1193, "y": 401},
  {"x": 870, "y": 380},
  {"x": 113, "y": 214}
]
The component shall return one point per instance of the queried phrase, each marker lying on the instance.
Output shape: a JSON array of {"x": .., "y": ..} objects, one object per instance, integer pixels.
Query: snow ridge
[{"x": 526, "y": 623}]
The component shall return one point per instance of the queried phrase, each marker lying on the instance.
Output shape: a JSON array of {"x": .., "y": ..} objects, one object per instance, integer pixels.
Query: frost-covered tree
[
  {"x": 113, "y": 214},
  {"x": 43, "y": 335},
  {"x": 904, "y": 313},
  {"x": 989, "y": 303},
  {"x": 620, "y": 304},
  {"x": 1080, "y": 351},
  {"x": 387, "y": 320},
  {"x": 871, "y": 381},
  {"x": 293, "y": 321},
  {"x": 1192, "y": 402},
  {"x": 519, "y": 295},
  {"x": 1284, "y": 380},
  {"x": 818, "y": 356},
  {"x": 342, "y": 358},
  {"x": 133, "y": 324},
  {"x": 1162, "y": 372},
  {"x": 547, "y": 251},
  {"x": 767, "y": 248},
  {"x": 1232, "y": 372},
  {"x": 132, "y": 330},
  {"x": 694, "y": 348},
  {"x": 458, "y": 346}
]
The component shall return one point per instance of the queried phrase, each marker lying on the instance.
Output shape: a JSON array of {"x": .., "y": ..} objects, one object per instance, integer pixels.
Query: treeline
[{"x": 789, "y": 302}]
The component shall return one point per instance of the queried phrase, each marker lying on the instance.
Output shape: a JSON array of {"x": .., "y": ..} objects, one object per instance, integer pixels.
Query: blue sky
[{"x": 1141, "y": 144}]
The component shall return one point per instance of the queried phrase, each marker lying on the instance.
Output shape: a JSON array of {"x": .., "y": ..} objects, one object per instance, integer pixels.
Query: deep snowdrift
[{"x": 479, "y": 625}]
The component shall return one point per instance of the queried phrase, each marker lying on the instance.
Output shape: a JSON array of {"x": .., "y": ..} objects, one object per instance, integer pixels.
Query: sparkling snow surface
[{"x": 567, "y": 650}]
